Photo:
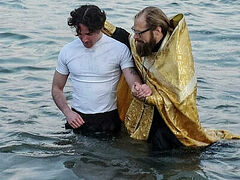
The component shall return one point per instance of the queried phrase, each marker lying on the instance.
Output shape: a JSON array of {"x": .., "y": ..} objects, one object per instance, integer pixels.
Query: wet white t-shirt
[{"x": 94, "y": 72}]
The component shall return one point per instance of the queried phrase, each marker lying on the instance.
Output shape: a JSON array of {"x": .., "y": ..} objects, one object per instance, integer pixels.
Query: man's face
[
  {"x": 88, "y": 38},
  {"x": 143, "y": 36}
]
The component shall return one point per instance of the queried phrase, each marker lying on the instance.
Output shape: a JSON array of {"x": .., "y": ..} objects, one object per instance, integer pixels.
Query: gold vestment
[{"x": 171, "y": 76}]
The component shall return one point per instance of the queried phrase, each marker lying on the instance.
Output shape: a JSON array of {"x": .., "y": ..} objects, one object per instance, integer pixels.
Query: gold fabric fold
[
  {"x": 138, "y": 119},
  {"x": 124, "y": 97},
  {"x": 108, "y": 28},
  {"x": 171, "y": 76}
]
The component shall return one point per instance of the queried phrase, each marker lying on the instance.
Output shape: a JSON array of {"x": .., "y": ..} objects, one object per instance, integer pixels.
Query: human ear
[{"x": 158, "y": 32}]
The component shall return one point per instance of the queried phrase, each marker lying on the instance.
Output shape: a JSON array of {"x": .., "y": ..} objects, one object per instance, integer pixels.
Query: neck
[
  {"x": 157, "y": 46},
  {"x": 99, "y": 35}
]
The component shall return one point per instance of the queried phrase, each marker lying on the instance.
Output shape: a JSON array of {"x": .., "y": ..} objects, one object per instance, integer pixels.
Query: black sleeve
[{"x": 122, "y": 35}]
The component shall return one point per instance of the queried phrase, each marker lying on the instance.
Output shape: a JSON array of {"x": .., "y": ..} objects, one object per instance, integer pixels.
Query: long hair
[
  {"x": 89, "y": 15},
  {"x": 155, "y": 17}
]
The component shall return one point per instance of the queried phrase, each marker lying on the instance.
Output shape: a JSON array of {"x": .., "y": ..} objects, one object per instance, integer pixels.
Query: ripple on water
[
  {"x": 34, "y": 78},
  {"x": 34, "y": 144},
  {"x": 15, "y": 60},
  {"x": 225, "y": 107},
  {"x": 13, "y": 36},
  {"x": 16, "y": 4},
  {"x": 37, "y": 43},
  {"x": 32, "y": 127},
  {"x": 19, "y": 69},
  {"x": 3, "y": 109},
  {"x": 224, "y": 153},
  {"x": 32, "y": 68},
  {"x": 5, "y": 70}
]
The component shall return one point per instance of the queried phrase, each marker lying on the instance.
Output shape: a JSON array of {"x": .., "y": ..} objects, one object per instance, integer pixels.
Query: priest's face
[{"x": 143, "y": 36}]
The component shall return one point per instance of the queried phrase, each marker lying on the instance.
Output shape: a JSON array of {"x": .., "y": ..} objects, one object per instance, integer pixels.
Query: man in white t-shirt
[{"x": 94, "y": 63}]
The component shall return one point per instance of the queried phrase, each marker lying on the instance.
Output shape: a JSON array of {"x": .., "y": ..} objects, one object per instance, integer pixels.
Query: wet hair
[
  {"x": 89, "y": 15},
  {"x": 154, "y": 18}
]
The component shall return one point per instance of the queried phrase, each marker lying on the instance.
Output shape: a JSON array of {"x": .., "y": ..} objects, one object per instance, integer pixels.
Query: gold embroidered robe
[{"x": 171, "y": 76}]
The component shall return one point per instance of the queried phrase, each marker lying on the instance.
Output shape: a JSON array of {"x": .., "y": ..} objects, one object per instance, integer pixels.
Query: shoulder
[
  {"x": 114, "y": 43},
  {"x": 73, "y": 44},
  {"x": 71, "y": 48}
]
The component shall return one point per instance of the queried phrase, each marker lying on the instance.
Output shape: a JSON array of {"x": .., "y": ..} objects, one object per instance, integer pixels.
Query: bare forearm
[
  {"x": 60, "y": 100},
  {"x": 131, "y": 76},
  {"x": 138, "y": 89}
]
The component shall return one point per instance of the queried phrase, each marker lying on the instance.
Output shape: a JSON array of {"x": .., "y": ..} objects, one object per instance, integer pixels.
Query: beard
[{"x": 145, "y": 49}]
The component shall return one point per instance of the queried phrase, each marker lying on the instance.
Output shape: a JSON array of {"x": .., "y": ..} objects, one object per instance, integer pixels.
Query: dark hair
[
  {"x": 155, "y": 17},
  {"x": 89, "y": 15}
]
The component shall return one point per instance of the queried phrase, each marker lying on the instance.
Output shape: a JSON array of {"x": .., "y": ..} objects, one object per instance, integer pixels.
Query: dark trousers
[
  {"x": 160, "y": 136},
  {"x": 108, "y": 122}
]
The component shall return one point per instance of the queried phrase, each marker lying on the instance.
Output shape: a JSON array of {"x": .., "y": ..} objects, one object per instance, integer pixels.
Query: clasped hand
[{"x": 141, "y": 91}]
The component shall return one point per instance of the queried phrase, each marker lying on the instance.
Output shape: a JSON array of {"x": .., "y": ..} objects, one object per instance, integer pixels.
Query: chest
[{"x": 92, "y": 62}]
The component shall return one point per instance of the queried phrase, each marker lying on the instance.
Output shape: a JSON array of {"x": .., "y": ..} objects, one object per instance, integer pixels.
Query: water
[{"x": 33, "y": 141}]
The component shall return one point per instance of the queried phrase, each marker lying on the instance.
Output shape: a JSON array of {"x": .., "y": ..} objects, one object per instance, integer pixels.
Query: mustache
[{"x": 139, "y": 41}]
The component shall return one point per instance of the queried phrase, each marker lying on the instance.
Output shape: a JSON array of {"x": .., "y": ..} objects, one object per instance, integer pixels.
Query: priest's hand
[{"x": 141, "y": 91}]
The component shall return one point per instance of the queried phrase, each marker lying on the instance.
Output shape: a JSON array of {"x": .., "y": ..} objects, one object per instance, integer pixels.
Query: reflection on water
[
  {"x": 91, "y": 157},
  {"x": 34, "y": 143}
]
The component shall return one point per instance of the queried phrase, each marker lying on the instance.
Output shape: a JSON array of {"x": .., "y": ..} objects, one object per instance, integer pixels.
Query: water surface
[{"x": 34, "y": 143}]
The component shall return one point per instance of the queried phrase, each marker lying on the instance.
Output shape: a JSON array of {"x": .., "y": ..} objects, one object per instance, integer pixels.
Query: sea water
[{"x": 33, "y": 141}]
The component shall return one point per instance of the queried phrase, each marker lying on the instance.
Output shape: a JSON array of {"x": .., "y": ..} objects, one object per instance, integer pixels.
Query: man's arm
[
  {"x": 59, "y": 81},
  {"x": 138, "y": 89}
]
